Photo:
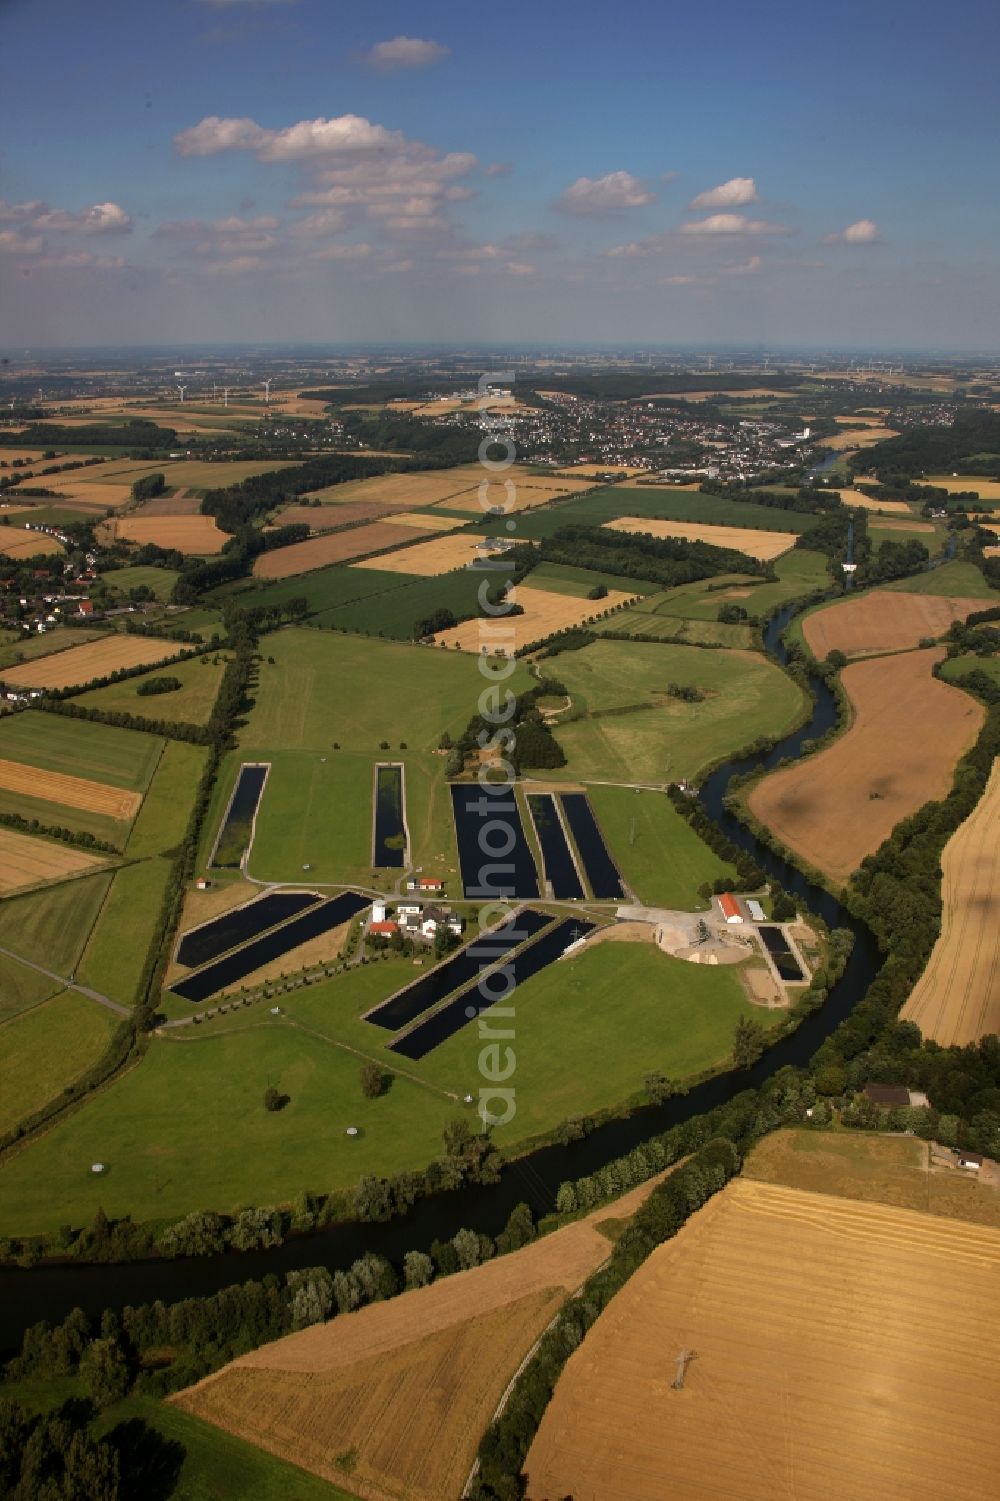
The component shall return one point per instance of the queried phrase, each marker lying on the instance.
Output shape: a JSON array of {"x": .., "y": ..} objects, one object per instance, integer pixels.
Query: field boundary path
[{"x": 94, "y": 995}]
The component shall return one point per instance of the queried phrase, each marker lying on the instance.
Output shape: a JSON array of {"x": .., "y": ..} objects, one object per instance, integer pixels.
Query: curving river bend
[{"x": 51, "y": 1291}]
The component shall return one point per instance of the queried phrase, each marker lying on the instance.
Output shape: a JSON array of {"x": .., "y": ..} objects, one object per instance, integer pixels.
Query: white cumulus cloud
[
  {"x": 405, "y": 52},
  {"x": 97, "y": 219},
  {"x": 732, "y": 194},
  {"x": 731, "y": 224},
  {"x": 862, "y": 232},
  {"x": 610, "y": 194}
]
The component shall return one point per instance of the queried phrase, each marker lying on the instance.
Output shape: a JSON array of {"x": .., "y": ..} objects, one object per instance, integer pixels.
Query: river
[{"x": 51, "y": 1291}]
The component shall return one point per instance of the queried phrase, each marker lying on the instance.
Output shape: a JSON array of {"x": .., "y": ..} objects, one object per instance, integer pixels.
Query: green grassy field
[
  {"x": 746, "y": 696},
  {"x": 161, "y": 822},
  {"x": 192, "y": 703},
  {"x": 656, "y": 850},
  {"x": 327, "y": 588},
  {"x": 395, "y": 612},
  {"x": 45, "y": 1049},
  {"x": 325, "y": 687},
  {"x": 113, "y": 960},
  {"x": 963, "y": 580},
  {"x": 960, "y": 667},
  {"x": 21, "y": 988},
  {"x": 211, "y": 1465},
  {"x": 50, "y": 927},
  {"x": 673, "y": 505},
  {"x": 202, "y": 621},
  {"x": 879, "y": 534},
  {"x": 640, "y": 621},
  {"x": 26, "y": 649},
  {"x": 159, "y": 580},
  {"x": 560, "y": 578},
  {"x": 187, "y": 1129},
  {"x": 99, "y": 752}
]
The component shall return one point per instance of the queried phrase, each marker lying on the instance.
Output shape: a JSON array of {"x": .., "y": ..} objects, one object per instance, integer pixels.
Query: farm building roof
[{"x": 888, "y": 1096}]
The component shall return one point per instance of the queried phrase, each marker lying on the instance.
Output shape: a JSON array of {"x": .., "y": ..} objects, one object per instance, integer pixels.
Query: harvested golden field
[
  {"x": 72, "y": 792},
  {"x": 408, "y": 490},
  {"x": 336, "y": 547},
  {"x": 104, "y": 497},
  {"x": 840, "y": 1350},
  {"x": 860, "y": 437},
  {"x": 525, "y": 495},
  {"x": 957, "y": 998},
  {"x": 407, "y": 1385},
  {"x": 544, "y": 613},
  {"x": 901, "y": 1171},
  {"x": 95, "y": 659},
  {"x": 196, "y": 536},
  {"x": 25, "y": 861},
  {"x": 427, "y": 523},
  {"x": 985, "y": 488},
  {"x": 439, "y": 555},
  {"x": 755, "y": 544},
  {"x": 908, "y": 732},
  {"x": 866, "y": 503},
  {"x": 17, "y": 542},
  {"x": 884, "y": 620}
]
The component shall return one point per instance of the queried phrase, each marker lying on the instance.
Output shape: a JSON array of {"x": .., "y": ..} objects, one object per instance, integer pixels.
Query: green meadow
[
  {"x": 187, "y": 1129},
  {"x": 656, "y": 850},
  {"x": 191, "y": 703},
  {"x": 631, "y": 731}
]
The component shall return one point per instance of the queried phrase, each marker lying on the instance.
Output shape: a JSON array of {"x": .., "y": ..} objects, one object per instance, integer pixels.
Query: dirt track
[
  {"x": 957, "y": 998},
  {"x": 883, "y": 621},
  {"x": 840, "y": 1350},
  {"x": 908, "y": 733}
]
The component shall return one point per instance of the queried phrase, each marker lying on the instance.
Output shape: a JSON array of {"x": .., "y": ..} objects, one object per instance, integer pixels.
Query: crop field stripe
[
  {"x": 70, "y": 791},
  {"x": 243, "y": 961},
  {"x": 461, "y": 1009},
  {"x": 603, "y": 874},
  {"x": 398, "y": 1010},
  {"x": 559, "y": 861},
  {"x": 210, "y": 940}
]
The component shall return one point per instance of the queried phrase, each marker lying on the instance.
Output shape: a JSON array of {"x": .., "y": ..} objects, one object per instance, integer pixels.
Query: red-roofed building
[
  {"x": 383, "y": 929},
  {"x": 730, "y": 907}
]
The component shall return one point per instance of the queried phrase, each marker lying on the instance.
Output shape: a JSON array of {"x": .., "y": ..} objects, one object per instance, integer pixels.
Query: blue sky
[{"x": 289, "y": 170}]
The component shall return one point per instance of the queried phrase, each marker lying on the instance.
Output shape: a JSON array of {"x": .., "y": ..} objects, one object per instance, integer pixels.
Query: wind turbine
[
  {"x": 225, "y": 396},
  {"x": 267, "y": 391},
  {"x": 182, "y": 389}
]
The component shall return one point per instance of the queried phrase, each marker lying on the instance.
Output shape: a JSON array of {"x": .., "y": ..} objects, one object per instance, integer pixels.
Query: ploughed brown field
[
  {"x": 839, "y": 1350},
  {"x": 957, "y": 998},
  {"x": 408, "y": 1385},
  {"x": 909, "y": 731},
  {"x": 882, "y": 621},
  {"x": 180, "y": 504},
  {"x": 756, "y": 544},
  {"x": 544, "y": 612},
  {"x": 322, "y": 518},
  {"x": 197, "y": 536},
  {"x": 95, "y": 659},
  {"x": 336, "y": 547},
  {"x": 70, "y": 791},
  {"x": 25, "y": 861}
]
